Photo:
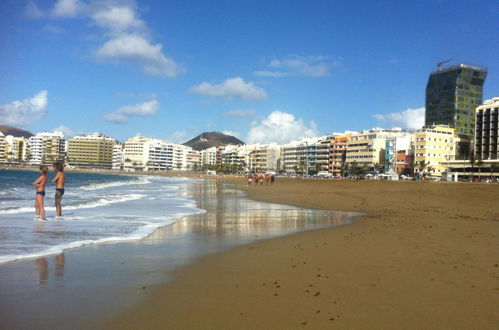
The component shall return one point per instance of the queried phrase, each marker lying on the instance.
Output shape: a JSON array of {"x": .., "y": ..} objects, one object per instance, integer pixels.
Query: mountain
[
  {"x": 212, "y": 139},
  {"x": 14, "y": 131}
]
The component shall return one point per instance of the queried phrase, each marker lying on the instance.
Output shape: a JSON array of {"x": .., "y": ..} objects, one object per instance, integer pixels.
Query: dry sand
[{"x": 425, "y": 257}]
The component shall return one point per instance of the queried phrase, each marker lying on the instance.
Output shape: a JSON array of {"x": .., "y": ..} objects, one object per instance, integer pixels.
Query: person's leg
[
  {"x": 42, "y": 207},
  {"x": 58, "y": 207}
]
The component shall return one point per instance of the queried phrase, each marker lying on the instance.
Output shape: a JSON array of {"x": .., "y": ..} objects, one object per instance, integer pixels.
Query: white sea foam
[
  {"x": 91, "y": 204},
  {"x": 99, "y": 186}
]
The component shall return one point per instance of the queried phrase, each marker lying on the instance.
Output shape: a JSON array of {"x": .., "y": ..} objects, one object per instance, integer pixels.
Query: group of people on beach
[
  {"x": 40, "y": 184},
  {"x": 260, "y": 179}
]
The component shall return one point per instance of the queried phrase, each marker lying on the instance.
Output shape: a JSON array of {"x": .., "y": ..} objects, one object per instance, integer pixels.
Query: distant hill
[
  {"x": 212, "y": 139},
  {"x": 14, "y": 131}
]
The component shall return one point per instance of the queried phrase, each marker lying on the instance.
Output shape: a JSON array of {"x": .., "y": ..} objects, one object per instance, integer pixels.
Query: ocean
[{"x": 97, "y": 208}]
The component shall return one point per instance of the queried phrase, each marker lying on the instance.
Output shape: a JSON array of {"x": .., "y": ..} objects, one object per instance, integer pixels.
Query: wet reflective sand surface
[{"x": 83, "y": 286}]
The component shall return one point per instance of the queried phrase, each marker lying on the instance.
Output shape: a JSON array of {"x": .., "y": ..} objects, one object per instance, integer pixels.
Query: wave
[
  {"x": 142, "y": 232},
  {"x": 98, "y": 186},
  {"x": 86, "y": 205}
]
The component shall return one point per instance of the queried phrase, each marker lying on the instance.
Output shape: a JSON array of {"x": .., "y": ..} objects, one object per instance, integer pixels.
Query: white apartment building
[
  {"x": 118, "y": 158},
  {"x": 47, "y": 148},
  {"x": 184, "y": 157},
  {"x": 141, "y": 153},
  {"x": 209, "y": 156},
  {"x": 487, "y": 130},
  {"x": 3, "y": 148},
  {"x": 301, "y": 156},
  {"x": 238, "y": 155}
]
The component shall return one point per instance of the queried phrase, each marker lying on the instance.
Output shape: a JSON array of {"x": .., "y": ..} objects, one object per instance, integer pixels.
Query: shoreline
[
  {"x": 109, "y": 278},
  {"x": 410, "y": 262}
]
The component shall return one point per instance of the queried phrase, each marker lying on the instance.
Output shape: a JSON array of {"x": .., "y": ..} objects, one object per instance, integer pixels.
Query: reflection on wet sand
[
  {"x": 43, "y": 268},
  {"x": 229, "y": 216}
]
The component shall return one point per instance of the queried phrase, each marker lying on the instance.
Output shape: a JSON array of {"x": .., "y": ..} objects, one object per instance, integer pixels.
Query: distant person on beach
[
  {"x": 40, "y": 184},
  {"x": 272, "y": 179},
  {"x": 59, "y": 186}
]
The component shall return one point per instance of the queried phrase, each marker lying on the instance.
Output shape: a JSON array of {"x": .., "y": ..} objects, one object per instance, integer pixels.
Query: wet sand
[{"x": 425, "y": 257}]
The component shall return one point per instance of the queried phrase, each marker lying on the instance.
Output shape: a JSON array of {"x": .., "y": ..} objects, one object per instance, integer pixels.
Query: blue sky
[{"x": 264, "y": 70}]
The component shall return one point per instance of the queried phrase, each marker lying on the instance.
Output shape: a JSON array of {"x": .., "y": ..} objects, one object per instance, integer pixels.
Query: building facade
[
  {"x": 337, "y": 153},
  {"x": 452, "y": 94},
  {"x": 91, "y": 151},
  {"x": 487, "y": 130},
  {"x": 46, "y": 148},
  {"x": 434, "y": 149},
  {"x": 264, "y": 158},
  {"x": 16, "y": 149},
  {"x": 3, "y": 148}
]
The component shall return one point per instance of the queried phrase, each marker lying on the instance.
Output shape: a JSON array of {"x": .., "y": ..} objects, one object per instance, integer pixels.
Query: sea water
[{"x": 97, "y": 208}]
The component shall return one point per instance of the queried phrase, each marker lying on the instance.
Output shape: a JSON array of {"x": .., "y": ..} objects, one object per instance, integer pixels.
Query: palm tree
[
  {"x": 479, "y": 164},
  {"x": 472, "y": 163}
]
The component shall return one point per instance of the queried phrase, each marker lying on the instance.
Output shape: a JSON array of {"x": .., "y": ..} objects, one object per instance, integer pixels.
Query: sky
[{"x": 264, "y": 71}]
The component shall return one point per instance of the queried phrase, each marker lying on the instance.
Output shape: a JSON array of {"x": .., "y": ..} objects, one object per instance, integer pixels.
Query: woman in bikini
[{"x": 40, "y": 184}]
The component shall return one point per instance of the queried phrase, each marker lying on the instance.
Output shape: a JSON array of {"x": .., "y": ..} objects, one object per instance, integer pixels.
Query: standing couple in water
[{"x": 40, "y": 184}]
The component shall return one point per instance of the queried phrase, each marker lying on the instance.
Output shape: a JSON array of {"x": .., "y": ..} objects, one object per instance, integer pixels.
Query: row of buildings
[{"x": 458, "y": 128}]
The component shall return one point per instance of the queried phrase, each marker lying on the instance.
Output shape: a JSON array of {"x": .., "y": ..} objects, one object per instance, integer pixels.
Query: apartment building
[
  {"x": 434, "y": 147},
  {"x": 337, "y": 153},
  {"x": 264, "y": 158},
  {"x": 367, "y": 149},
  {"x": 16, "y": 149},
  {"x": 146, "y": 154},
  {"x": 322, "y": 153},
  {"x": 487, "y": 130},
  {"x": 118, "y": 159},
  {"x": 46, "y": 148},
  {"x": 301, "y": 156},
  {"x": 237, "y": 155},
  {"x": 394, "y": 148},
  {"x": 3, "y": 148},
  {"x": 209, "y": 156},
  {"x": 93, "y": 150}
]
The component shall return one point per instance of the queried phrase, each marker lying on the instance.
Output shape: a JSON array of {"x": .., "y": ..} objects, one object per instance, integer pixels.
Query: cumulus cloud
[
  {"x": 68, "y": 132},
  {"x": 232, "y": 88},
  {"x": 232, "y": 133},
  {"x": 293, "y": 65},
  {"x": 121, "y": 115},
  {"x": 240, "y": 113},
  {"x": 409, "y": 118},
  {"x": 127, "y": 38},
  {"x": 24, "y": 112},
  {"x": 280, "y": 127},
  {"x": 137, "y": 49}
]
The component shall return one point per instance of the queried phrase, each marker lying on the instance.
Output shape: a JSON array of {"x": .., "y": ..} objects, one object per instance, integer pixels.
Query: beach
[{"x": 423, "y": 256}]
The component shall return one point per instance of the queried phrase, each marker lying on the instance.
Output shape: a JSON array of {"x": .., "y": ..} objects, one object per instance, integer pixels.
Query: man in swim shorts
[
  {"x": 59, "y": 187},
  {"x": 40, "y": 192}
]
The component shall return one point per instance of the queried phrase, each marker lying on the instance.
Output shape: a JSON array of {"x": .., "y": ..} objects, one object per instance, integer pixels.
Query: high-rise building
[
  {"x": 17, "y": 149},
  {"x": 337, "y": 153},
  {"x": 3, "y": 148},
  {"x": 452, "y": 94},
  {"x": 487, "y": 130},
  {"x": 91, "y": 151}
]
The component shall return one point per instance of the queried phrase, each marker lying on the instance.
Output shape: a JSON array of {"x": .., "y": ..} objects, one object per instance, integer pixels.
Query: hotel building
[
  {"x": 91, "y": 151},
  {"x": 145, "y": 154},
  {"x": 435, "y": 146},
  {"x": 46, "y": 148},
  {"x": 118, "y": 159},
  {"x": 487, "y": 130},
  {"x": 452, "y": 94}
]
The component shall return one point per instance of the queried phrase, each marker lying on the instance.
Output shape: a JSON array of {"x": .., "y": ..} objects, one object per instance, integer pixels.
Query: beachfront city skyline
[{"x": 128, "y": 67}]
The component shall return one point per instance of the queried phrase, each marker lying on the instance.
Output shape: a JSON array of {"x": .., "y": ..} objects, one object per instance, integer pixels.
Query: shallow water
[{"x": 107, "y": 278}]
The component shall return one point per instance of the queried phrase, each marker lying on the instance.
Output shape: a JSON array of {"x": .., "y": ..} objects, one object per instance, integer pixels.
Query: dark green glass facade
[{"x": 452, "y": 94}]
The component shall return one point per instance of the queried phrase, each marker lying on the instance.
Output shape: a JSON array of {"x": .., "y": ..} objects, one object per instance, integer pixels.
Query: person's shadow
[{"x": 43, "y": 268}]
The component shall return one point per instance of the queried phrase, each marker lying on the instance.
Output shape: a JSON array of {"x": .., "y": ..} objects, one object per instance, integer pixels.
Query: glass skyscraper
[{"x": 452, "y": 94}]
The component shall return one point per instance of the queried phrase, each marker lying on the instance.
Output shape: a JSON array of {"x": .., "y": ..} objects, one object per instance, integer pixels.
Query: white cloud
[
  {"x": 293, "y": 65},
  {"x": 68, "y": 132},
  {"x": 33, "y": 11},
  {"x": 127, "y": 38},
  {"x": 232, "y": 88},
  {"x": 137, "y": 49},
  {"x": 26, "y": 111},
  {"x": 409, "y": 118},
  {"x": 280, "y": 127},
  {"x": 117, "y": 19},
  {"x": 232, "y": 133},
  {"x": 177, "y": 137},
  {"x": 121, "y": 115},
  {"x": 67, "y": 8},
  {"x": 240, "y": 113}
]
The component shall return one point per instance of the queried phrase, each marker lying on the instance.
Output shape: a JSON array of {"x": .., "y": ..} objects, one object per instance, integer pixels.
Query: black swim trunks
[
  {"x": 41, "y": 193},
  {"x": 58, "y": 193}
]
